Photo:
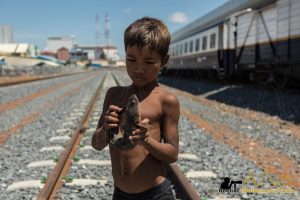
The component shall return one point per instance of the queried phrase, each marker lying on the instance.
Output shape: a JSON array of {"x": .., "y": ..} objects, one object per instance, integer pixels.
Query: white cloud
[{"x": 178, "y": 17}]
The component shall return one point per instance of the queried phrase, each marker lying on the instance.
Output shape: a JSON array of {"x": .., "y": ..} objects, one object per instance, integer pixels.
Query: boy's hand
[
  {"x": 140, "y": 135},
  {"x": 111, "y": 117}
]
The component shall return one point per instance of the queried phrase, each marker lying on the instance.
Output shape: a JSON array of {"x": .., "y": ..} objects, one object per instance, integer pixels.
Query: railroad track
[
  {"x": 210, "y": 150},
  {"x": 41, "y": 109},
  {"x": 54, "y": 182},
  {"x": 29, "y": 104},
  {"x": 60, "y": 180}
]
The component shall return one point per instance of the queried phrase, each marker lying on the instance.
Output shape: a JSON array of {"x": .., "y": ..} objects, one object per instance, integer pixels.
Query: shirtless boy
[{"x": 138, "y": 172}]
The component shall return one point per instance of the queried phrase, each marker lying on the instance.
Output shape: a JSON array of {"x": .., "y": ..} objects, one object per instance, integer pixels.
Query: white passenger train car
[{"x": 251, "y": 37}]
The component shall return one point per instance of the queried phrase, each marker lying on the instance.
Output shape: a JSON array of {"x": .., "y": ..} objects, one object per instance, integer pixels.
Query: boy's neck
[{"x": 146, "y": 88}]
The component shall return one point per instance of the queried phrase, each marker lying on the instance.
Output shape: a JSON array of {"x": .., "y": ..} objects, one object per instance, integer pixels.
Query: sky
[{"x": 33, "y": 21}]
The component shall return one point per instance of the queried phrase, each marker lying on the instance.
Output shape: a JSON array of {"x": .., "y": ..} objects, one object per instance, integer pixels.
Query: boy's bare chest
[
  {"x": 151, "y": 106},
  {"x": 152, "y": 110}
]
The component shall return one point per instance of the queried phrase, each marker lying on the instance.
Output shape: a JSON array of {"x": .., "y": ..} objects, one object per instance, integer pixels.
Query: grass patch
[
  {"x": 44, "y": 179},
  {"x": 76, "y": 159},
  {"x": 81, "y": 145},
  {"x": 67, "y": 179}
]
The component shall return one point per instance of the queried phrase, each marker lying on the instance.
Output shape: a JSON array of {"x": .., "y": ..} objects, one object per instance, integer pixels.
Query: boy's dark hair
[{"x": 149, "y": 32}]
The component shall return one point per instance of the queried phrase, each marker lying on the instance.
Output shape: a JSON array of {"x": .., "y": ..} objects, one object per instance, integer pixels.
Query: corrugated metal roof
[
  {"x": 14, "y": 48},
  {"x": 217, "y": 16},
  {"x": 8, "y": 48},
  {"x": 22, "y": 48}
]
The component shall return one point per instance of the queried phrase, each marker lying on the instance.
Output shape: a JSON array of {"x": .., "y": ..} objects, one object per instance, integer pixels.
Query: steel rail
[
  {"x": 40, "y": 78},
  {"x": 182, "y": 183}
]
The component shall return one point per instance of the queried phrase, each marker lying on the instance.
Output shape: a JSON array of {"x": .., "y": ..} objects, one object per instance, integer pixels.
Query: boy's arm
[
  {"x": 167, "y": 152},
  {"x": 100, "y": 137}
]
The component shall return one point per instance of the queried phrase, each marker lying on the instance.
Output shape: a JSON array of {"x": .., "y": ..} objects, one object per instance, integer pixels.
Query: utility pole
[
  {"x": 107, "y": 34},
  {"x": 97, "y": 52},
  {"x": 107, "y": 30}
]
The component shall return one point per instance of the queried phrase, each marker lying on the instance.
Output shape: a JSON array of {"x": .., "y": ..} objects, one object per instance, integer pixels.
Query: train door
[
  {"x": 221, "y": 55},
  {"x": 226, "y": 50}
]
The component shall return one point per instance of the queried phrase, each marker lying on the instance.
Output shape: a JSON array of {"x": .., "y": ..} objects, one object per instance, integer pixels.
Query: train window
[
  {"x": 191, "y": 46},
  {"x": 197, "y": 45},
  {"x": 212, "y": 41},
  {"x": 185, "y": 47},
  {"x": 204, "y": 43}
]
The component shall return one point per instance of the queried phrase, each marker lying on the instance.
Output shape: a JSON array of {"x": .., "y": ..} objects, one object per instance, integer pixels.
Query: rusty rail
[
  {"x": 39, "y": 78},
  {"x": 182, "y": 184}
]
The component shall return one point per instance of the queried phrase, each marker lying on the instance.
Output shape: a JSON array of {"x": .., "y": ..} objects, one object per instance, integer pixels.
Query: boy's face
[{"x": 143, "y": 65}]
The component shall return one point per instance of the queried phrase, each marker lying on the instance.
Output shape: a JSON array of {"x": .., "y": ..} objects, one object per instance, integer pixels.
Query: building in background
[
  {"x": 49, "y": 53},
  {"x": 63, "y": 54},
  {"x": 65, "y": 48},
  {"x": 6, "y": 34},
  {"x": 111, "y": 53},
  {"x": 55, "y": 43},
  {"x": 78, "y": 55},
  {"x": 93, "y": 52},
  {"x": 101, "y": 52}
]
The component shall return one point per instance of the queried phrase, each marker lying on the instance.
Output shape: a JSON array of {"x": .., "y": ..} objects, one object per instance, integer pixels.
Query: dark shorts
[{"x": 162, "y": 191}]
